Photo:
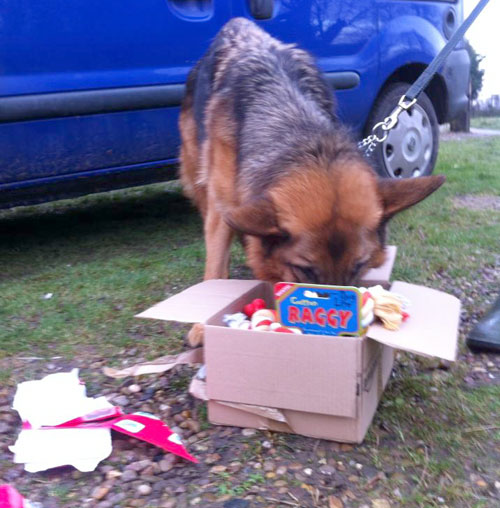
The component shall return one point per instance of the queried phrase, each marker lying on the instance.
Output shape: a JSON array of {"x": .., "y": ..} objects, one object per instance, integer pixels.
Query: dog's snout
[
  {"x": 339, "y": 279},
  {"x": 347, "y": 280},
  {"x": 335, "y": 280}
]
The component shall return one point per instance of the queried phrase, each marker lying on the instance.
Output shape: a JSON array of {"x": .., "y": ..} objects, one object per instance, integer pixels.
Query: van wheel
[{"x": 411, "y": 147}]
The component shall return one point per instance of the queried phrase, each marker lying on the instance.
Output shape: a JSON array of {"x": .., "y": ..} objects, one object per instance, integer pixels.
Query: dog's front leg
[
  {"x": 218, "y": 237},
  {"x": 196, "y": 334}
]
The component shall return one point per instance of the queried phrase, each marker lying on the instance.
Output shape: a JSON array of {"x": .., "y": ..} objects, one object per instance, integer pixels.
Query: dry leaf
[
  {"x": 313, "y": 491},
  {"x": 350, "y": 494},
  {"x": 335, "y": 502},
  {"x": 381, "y": 503}
]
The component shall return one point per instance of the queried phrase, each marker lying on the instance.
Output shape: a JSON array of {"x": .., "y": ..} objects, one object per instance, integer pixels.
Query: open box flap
[
  {"x": 431, "y": 330},
  {"x": 198, "y": 303}
]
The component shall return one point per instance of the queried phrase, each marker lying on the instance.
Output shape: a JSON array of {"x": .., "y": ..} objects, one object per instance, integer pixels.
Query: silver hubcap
[{"x": 408, "y": 148}]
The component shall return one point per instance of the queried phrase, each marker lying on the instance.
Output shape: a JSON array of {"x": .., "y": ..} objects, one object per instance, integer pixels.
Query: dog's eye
[
  {"x": 357, "y": 268},
  {"x": 305, "y": 273},
  {"x": 272, "y": 242}
]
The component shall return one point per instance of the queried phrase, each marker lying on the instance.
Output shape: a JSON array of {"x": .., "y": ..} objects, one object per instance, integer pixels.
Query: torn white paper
[
  {"x": 55, "y": 399},
  {"x": 48, "y": 448}
]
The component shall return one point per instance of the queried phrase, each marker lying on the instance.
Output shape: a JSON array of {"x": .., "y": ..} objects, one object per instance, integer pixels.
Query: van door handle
[{"x": 261, "y": 9}]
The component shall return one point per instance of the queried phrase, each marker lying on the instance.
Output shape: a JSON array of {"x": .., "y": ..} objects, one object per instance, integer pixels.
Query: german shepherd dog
[{"x": 264, "y": 155}]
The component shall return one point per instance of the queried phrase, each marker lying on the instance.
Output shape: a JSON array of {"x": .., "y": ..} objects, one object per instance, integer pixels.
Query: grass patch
[
  {"x": 227, "y": 487},
  {"x": 440, "y": 238},
  {"x": 439, "y": 428},
  {"x": 103, "y": 259},
  {"x": 486, "y": 122}
]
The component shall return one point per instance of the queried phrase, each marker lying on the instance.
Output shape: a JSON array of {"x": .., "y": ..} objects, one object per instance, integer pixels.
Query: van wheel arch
[{"x": 435, "y": 90}]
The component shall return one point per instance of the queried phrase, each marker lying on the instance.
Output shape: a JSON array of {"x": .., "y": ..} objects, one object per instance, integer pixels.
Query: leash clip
[
  {"x": 392, "y": 119},
  {"x": 406, "y": 105},
  {"x": 389, "y": 122},
  {"x": 368, "y": 144}
]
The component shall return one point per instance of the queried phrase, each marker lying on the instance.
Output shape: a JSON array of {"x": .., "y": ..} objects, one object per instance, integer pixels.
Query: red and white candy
[
  {"x": 254, "y": 306},
  {"x": 278, "y": 327},
  {"x": 367, "y": 308},
  {"x": 261, "y": 319}
]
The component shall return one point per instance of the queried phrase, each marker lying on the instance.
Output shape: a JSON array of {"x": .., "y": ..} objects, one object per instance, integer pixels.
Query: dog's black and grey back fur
[{"x": 284, "y": 107}]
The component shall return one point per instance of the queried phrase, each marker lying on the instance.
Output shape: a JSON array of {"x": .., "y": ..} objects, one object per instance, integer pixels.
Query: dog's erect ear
[
  {"x": 398, "y": 195},
  {"x": 257, "y": 219}
]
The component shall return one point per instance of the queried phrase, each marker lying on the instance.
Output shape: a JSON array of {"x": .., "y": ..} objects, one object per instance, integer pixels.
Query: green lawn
[
  {"x": 486, "y": 122},
  {"x": 438, "y": 236},
  {"x": 104, "y": 258}
]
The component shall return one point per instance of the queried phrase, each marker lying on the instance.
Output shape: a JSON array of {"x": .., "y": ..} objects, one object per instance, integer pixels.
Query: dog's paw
[{"x": 195, "y": 335}]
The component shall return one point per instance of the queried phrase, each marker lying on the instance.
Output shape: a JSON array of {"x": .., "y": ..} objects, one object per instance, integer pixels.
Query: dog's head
[{"x": 325, "y": 226}]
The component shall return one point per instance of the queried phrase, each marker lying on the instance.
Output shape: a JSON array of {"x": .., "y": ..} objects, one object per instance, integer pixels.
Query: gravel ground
[{"x": 238, "y": 467}]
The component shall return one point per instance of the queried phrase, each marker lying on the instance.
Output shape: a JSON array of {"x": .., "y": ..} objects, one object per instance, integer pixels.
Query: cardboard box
[{"x": 315, "y": 385}]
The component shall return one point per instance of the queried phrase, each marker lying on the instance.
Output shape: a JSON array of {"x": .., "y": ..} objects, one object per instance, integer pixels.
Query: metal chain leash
[{"x": 368, "y": 144}]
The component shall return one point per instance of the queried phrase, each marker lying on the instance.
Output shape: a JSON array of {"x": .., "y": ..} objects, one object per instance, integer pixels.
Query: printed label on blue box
[{"x": 319, "y": 310}]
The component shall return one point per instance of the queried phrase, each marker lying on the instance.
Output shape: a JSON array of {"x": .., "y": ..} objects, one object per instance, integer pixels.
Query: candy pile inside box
[
  {"x": 256, "y": 316},
  {"x": 325, "y": 382},
  {"x": 375, "y": 303}
]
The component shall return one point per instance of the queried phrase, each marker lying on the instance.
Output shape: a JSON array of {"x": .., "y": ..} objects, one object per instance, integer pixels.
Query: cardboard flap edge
[
  {"x": 198, "y": 303},
  {"x": 431, "y": 330}
]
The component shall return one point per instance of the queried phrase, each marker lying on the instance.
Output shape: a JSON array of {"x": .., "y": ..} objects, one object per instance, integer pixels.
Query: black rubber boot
[{"x": 485, "y": 336}]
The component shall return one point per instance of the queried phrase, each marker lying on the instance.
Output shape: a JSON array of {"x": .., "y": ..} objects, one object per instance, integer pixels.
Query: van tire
[{"x": 411, "y": 147}]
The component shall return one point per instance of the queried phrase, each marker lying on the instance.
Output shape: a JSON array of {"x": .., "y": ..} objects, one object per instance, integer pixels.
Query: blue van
[{"x": 90, "y": 89}]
